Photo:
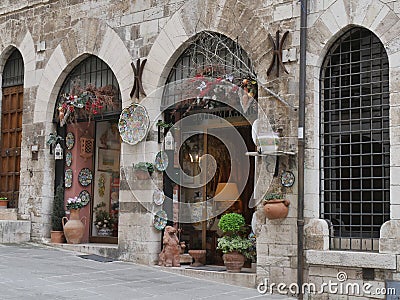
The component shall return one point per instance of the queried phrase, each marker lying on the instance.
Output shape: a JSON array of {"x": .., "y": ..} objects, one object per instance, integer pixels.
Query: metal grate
[
  {"x": 355, "y": 152},
  {"x": 96, "y": 72},
  {"x": 210, "y": 54},
  {"x": 13, "y": 73}
]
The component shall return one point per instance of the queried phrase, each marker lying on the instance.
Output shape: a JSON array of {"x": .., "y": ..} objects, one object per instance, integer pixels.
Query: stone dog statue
[{"x": 169, "y": 256}]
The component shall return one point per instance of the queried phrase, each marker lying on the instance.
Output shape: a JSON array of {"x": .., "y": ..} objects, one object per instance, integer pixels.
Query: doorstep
[
  {"x": 245, "y": 278},
  {"x": 106, "y": 250}
]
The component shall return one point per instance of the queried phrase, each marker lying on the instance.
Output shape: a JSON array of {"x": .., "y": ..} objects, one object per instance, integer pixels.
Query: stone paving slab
[{"x": 31, "y": 271}]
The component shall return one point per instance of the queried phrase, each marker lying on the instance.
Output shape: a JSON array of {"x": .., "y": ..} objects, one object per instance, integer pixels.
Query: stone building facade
[{"x": 54, "y": 36}]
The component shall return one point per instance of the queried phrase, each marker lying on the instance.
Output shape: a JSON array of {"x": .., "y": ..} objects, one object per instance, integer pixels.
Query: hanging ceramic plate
[
  {"x": 85, "y": 197},
  {"x": 161, "y": 161},
  {"x": 68, "y": 159},
  {"x": 158, "y": 197},
  {"x": 133, "y": 124},
  {"x": 160, "y": 220},
  {"x": 287, "y": 178},
  {"x": 68, "y": 178},
  {"x": 85, "y": 177},
  {"x": 70, "y": 140}
]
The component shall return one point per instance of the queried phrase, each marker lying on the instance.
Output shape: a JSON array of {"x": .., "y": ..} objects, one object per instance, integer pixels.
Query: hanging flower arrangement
[
  {"x": 213, "y": 83},
  {"x": 85, "y": 103}
]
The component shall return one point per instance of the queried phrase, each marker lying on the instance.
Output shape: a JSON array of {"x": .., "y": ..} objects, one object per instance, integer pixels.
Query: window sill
[{"x": 351, "y": 259}]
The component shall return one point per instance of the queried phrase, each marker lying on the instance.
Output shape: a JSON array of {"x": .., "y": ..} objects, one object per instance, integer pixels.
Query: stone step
[
  {"x": 8, "y": 214},
  {"x": 217, "y": 273},
  {"x": 15, "y": 231}
]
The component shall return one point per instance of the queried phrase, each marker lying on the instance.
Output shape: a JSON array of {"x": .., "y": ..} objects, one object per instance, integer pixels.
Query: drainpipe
[{"x": 302, "y": 97}]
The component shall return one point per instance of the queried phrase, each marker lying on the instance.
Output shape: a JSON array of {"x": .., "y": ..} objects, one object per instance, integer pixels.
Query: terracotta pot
[
  {"x": 233, "y": 261},
  {"x": 3, "y": 204},
  {"x": 74, "y": 228},
  {"x": 57, "y": 237},
  {"x": 276, "y": 209},
  {"x": 199, "y": 257}
]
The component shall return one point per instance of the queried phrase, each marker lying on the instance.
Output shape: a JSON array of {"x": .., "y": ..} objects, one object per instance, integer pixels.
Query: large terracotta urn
[
  {"x": 276, "y": 209},
  {"x": 233, "y": 261},
  {"x": 74, "y": 228}
]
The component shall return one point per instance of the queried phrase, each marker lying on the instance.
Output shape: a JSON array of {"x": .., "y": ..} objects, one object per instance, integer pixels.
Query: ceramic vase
[{"x": 74, "y": 228}]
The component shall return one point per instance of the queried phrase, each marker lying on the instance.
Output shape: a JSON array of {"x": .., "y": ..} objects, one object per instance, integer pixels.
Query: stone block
[
  {"x": 351, "y": 259},
  {"x": 8, "y": 214},
  {"x": 316, "y": 233}
]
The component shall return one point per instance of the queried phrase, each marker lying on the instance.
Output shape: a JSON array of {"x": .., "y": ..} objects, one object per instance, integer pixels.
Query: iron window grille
[
  {"x": 354, "y": 140},
  {"x": 96, "y": 72},
  {"x": 13, "y": 73},
  {"x": 212, "y": 55}
]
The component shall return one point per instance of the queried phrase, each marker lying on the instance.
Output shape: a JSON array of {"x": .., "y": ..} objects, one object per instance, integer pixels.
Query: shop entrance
[
  {"x": 203, "y": 235},
  {"x": 87, "y": 113}
]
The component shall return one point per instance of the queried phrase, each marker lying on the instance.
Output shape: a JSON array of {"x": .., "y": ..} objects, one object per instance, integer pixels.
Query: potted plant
[
  {"x": 275, "y": 206},
  {"x": 143, "y": 170},
  {"x": 57, "y": 233},
  {"x": 3, "y": 202},
  {"x": 104, "y": 221},
  {"x": 234, "y": 245}
]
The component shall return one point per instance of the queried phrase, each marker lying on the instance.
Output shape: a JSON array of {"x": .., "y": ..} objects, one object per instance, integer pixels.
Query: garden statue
[{"x": 170, "y": 254}]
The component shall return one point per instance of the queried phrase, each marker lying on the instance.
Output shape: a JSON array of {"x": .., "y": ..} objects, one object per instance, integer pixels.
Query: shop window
[{"x": 355, "y": 148}]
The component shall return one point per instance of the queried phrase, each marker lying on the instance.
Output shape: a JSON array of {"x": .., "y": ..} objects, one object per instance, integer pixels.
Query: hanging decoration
[
  {"x": 85, "y": 103},
  {"x": 87, "y": 146},
  {"x": 133, "y": 124},
  {"x": 101, "y": 184},
  {"x": 68, "y": 159},
  {"x": 85, "y": 177},
  {"x": 138, "y": 72},
  {"x": 161, "y": 161},
  {"x": 287, "y": 179},
  {"x": 58, "y": 152},
  {"x": 68, "y": 178},
  {"x": 70, "y": 140},
  {"x": 277, "y": 53},
  {"x": 160, "y": 220}
]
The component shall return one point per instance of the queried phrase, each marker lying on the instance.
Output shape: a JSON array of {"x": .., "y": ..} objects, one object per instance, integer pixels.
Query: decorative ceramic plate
[
  {"x": 68, "y": 159},
  {"x": 133, "y": 124},
  {"x": 161, "y": 161},
  {"x": 68, "y": 178},
  {"x": 287, "y": 178},
  {"x": 160, "y": 220},
  {"x": 85, "y": 177},
  {"x": 158, "y": 197},
  {"x": 85, "y": 197},
  {"x": 70, "y": 140}
]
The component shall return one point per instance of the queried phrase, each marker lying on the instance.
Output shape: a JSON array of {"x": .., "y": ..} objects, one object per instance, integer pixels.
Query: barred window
[{"x": 354, "y": 139}]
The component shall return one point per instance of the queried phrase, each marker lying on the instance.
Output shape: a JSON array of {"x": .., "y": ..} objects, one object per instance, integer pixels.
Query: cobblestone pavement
[{"x": 31, "y": 271}]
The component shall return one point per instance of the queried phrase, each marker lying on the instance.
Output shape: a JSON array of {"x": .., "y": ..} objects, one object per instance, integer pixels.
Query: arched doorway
[
  {"x": 219, "y": 126},
  {"x": 87, "y": 112},
  {"x": 11, "y": 127}
]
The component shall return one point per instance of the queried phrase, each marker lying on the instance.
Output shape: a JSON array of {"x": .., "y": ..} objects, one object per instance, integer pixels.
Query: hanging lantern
[
  {"x": 169, "y": 141},
  {"x": 87, "y": 146},
  {"x": 58, "y": 152}
]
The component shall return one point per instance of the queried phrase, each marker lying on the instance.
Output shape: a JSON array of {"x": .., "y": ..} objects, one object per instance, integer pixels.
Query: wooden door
[{"x": 11, "y": 135}]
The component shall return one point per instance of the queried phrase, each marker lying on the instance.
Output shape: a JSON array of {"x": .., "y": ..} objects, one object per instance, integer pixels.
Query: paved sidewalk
[{"x": 30, "y": 271}]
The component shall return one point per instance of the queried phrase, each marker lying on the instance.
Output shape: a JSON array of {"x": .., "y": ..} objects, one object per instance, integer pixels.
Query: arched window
[
  {"x": 355, "y": 150},
  {"x": 211, "y": 55},
  {"x": 94, "y": 76},
  {"x": 13, "y": 73}
]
